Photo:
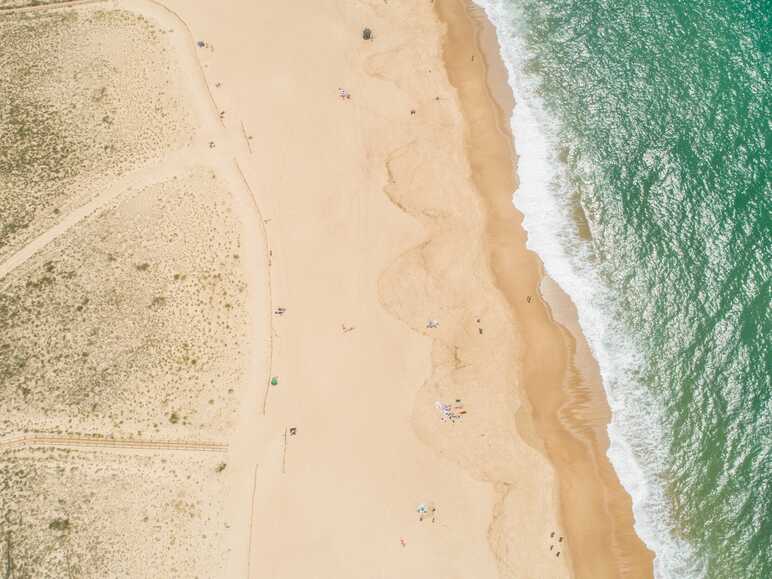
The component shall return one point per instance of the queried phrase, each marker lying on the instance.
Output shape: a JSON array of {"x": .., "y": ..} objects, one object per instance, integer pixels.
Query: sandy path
[
  {"x": 176, "y": 163},
  {"x": 63, "y": 441}
]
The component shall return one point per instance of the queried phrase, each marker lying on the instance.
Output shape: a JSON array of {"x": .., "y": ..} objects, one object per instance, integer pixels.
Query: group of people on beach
[{"x": 450, "y": 412}]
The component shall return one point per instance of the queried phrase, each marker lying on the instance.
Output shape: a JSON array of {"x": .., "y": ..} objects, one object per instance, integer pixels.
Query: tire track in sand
[{"x": 64, "y": 441}]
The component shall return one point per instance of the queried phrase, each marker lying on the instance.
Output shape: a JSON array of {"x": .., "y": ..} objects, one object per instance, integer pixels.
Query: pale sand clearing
[
  {"x": 335, "y": 499},
  {"x": 370, "y": 445}
]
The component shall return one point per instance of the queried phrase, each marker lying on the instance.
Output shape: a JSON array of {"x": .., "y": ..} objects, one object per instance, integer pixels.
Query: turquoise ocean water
[{"x": 643, "y": 129}]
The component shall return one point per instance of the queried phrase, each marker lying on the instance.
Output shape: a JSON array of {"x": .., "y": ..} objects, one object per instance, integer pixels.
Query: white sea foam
[{"x": 638, "y": 447}]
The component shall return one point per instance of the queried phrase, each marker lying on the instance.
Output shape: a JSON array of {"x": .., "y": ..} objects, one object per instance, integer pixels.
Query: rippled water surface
[{"x": 650, "y": 120}]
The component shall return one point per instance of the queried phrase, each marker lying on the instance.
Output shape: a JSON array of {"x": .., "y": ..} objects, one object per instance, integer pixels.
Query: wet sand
[{"x": 569, "y": 412}]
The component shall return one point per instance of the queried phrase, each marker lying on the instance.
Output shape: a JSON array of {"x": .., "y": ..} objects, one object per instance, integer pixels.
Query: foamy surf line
[{"x": 637, "y": 447}]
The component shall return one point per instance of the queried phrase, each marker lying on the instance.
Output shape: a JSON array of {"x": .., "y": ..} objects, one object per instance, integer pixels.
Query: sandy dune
[{"x": 133, "y": 291}]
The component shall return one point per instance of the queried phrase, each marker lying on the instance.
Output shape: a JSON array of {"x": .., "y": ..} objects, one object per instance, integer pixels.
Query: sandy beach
[
  {"x": 398, "y": 213},
  {"x": 409, "y": 397}
]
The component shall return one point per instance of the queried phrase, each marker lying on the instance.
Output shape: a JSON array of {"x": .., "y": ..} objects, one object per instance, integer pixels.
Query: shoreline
[
  {"x": 567, "y": 421},
  {"x": 402, "y": 213}
]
